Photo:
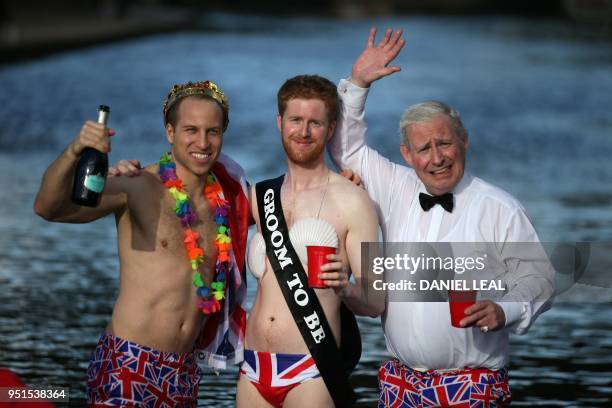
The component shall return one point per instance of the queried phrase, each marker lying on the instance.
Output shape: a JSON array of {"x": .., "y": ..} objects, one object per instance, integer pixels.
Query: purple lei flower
[
  {"x": 168, "y": 174},
  {"x": 221, "y": 268},
  {"x": 222, "y": 210},
  {"x": 204, "y": 304},
  {"x": 188, "y": 218}
]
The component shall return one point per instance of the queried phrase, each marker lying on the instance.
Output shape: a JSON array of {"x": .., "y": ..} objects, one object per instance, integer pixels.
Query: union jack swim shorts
[
  {"x": 275, "y": 374},
  {"x": 123, "y": 373},
  {"x": 402, "y": 387}
]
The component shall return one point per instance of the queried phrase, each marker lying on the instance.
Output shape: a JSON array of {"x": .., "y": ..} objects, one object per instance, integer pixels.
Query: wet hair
[
  {"x": 425, "y": 111},
  {"x": 310, "y": 87}
]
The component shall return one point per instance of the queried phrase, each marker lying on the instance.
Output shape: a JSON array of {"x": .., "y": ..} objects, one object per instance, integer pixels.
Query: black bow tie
[{"x": 445, "y": 200}]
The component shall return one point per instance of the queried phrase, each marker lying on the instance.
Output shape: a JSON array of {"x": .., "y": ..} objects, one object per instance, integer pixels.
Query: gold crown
[{"x": 207, "y": 88}]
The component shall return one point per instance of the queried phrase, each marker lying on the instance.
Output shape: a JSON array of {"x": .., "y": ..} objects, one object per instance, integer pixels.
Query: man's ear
[
  {"x": 332, "y": 129},
  {"x": 279, "y": 122},
  {"x": 465, "y": 143},
  {"x": 405, "y": 151},
  {"x": 170, "y": 133}
]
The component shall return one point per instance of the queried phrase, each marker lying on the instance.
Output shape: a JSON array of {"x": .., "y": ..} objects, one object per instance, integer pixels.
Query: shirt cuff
[
  {"x": 351, "y": 94},
  {"x": 513, "y": 312}
]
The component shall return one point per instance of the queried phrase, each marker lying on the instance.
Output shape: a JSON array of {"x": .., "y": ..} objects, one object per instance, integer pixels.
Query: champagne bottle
[{"x": 91, "y": 171}]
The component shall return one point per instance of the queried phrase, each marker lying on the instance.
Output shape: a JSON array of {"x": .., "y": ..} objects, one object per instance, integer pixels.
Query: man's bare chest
[{"x": 171, "y": 233}]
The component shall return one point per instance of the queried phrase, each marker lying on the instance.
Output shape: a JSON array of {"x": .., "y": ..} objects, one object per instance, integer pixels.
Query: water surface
[{"x": 534, "y": 96}]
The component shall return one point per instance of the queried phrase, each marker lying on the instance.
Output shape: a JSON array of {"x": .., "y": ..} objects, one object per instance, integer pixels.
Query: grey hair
[{"x": 424, "y": 111}]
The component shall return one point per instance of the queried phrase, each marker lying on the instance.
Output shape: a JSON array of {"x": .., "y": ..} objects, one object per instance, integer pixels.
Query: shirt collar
[{"x": 464, "y": 183}]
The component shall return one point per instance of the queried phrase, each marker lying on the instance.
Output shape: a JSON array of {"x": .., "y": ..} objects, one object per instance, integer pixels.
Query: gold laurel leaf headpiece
[{"x": 207, "y": 88}]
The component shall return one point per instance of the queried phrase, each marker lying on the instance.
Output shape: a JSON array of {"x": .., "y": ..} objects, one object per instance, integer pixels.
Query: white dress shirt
[{"x": 417, "y": 333}]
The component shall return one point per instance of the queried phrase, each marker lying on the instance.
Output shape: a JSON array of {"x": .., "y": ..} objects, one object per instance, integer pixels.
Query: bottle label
[{"x": 94, "y": 183}]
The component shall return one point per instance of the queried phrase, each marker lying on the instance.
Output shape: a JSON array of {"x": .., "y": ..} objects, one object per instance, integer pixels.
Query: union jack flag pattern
[
  {"x": 122, "y": 373},
  {"x": 403, "y": 387},
  {"x": 221, "y": 340},
  {"x": 275, "y": 374},
  {"x": 279, "y": 370}
]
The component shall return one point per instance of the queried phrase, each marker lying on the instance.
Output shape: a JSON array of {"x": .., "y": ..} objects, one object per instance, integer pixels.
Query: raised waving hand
[{"x": 373, "y": 63}]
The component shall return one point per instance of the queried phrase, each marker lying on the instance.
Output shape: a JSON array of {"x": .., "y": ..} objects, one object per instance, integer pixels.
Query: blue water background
[{"x": 535, "y": 96}]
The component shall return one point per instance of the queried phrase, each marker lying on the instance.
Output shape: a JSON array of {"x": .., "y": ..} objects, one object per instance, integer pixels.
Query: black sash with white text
[{"x": 301, "y": 299}]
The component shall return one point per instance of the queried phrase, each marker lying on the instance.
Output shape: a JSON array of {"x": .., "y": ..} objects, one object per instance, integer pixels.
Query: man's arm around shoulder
[{"x": 362, "y": 226}]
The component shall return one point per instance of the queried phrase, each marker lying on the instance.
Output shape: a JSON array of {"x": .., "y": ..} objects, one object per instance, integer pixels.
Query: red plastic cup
[
  {"x": 317, "y": 256},
  {"x": 458, "y": 301}
]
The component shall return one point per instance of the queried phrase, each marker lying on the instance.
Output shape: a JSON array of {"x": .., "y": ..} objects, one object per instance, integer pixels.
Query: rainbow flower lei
[{"x": 210, "y": 296}]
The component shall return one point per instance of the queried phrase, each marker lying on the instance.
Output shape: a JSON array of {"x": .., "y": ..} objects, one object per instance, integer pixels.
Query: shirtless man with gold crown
[{"x": 181, "y": 230}]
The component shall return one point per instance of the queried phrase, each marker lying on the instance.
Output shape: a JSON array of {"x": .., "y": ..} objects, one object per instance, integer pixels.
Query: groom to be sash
[{"x": 293, "y": 352}]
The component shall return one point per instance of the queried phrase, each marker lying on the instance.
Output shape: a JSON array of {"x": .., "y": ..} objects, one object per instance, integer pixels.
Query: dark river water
[{"x": 535, "y": 96}]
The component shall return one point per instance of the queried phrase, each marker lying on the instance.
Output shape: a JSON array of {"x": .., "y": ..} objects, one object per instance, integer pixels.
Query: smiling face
[
  {"x": 197, "y": 137},
  {"x": 436, "y": 153},
  {"x": 305, "y": 128}
]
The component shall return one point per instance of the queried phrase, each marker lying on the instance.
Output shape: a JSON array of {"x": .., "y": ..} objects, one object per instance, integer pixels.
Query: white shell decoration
[
  {"x": 312, "y": 231},
  {"x": 256, "y": 256}
]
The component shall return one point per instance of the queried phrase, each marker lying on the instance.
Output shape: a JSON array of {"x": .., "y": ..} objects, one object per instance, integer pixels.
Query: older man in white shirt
[{"x": 436, "y": 200}]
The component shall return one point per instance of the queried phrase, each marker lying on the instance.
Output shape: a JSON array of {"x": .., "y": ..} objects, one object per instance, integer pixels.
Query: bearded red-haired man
[{"x": 297, "y": 336}]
